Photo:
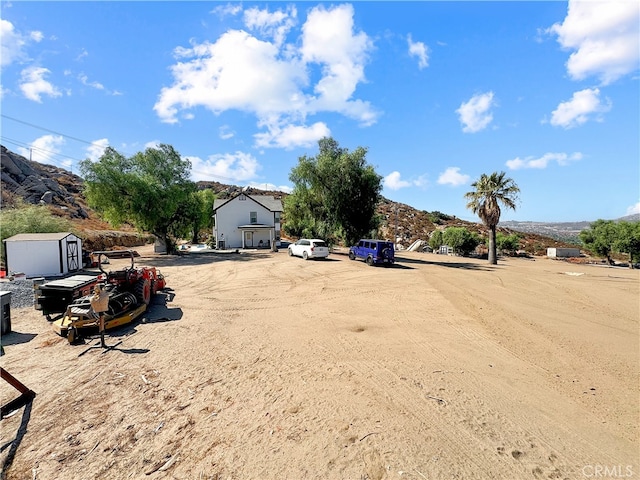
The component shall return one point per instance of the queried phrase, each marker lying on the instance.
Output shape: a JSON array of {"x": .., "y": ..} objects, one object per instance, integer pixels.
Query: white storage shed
[{"x": 43, "y": 254}]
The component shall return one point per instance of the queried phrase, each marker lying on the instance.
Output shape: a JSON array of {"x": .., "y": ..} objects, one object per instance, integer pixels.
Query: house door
[
  {"x": 72, "y": 256},
  {"x": 248, "y": 239}
]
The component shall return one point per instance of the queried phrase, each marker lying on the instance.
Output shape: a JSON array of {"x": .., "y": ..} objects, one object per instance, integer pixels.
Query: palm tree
[{"x": 490, "y": 191}]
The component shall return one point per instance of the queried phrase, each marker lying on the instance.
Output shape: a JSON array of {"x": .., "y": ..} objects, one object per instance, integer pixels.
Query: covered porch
[{"x": 257, "y": 235}]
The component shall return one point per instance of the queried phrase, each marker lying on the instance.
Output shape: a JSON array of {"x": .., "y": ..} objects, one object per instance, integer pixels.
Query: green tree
[
  {"x": 435, "y": 240},
  {"x": 194, "y": 215},
  {"x": 491, "y": 191},
  {"x": 460, "y": 239},
  {"x": 335, "y": 194},
  {"x": 600, "y": 238},
  {"x": 510, "y": 243},
  {"x": 147, "y": 190},
  {"x": 628, "y": 240}
]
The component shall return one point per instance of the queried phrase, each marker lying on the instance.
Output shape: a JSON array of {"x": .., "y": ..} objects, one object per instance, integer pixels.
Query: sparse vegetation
[{"x": 439, "y": 218}]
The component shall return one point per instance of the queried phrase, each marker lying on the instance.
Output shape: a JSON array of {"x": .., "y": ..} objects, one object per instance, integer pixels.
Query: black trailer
[{"x": 54, "y": 297}]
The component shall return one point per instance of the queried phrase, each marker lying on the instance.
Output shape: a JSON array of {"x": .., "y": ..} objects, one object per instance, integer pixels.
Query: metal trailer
[{"x": 54, "y": 297}]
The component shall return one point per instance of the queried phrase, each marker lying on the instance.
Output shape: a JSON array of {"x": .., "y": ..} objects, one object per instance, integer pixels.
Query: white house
[
  {"x": 247, "y": 221},
  {"x": 43, "y": 254}
]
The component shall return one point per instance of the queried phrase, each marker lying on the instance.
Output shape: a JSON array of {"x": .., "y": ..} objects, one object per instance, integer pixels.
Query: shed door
[{"x": 72, "y": 256}]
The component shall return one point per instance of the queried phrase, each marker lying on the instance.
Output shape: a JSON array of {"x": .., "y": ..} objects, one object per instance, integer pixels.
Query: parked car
[
  {"x": 200, "y": 248},
  {"x": 374, "y": 252},
  {"x": 309, "y": 248}
]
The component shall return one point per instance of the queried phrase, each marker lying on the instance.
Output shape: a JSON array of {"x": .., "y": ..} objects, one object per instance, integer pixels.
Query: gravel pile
[{"x": 21, "y": 292}]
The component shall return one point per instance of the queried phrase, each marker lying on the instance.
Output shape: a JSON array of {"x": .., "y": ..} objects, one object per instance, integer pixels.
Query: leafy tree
[
  {"x": 510, "y": 243},
  {"x": 600, "y": 238},
  {"x": 147, "y": 190},
  {"x": 491, "y": 191},
  {"x": 435, "y": 240},
  {"x": 194, "y": 215},
  {"x": 335, "y": 194},
  {"x": 26, "y": 218},
  {"x": 628, "y": 240},
  {"x": 460, "y": 239},
  {"x": 303, "y": 215}
]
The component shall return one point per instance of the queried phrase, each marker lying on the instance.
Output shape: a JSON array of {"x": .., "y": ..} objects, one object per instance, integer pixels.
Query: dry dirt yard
[{"x": 261, "y": 366}]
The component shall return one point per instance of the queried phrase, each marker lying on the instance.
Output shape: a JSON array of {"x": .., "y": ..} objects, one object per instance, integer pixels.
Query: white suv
[{"x": 309, "y": 248}]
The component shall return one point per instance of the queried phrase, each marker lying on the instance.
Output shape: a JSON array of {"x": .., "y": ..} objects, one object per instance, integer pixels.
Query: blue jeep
[{"x": 374, "y": 252}]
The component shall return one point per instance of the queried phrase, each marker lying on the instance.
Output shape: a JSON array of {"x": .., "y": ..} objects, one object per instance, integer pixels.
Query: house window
[
  {"x": 254, "y": 217},
  {"x": 277, "y": 217},
  {"x": 242, "y": 197}
]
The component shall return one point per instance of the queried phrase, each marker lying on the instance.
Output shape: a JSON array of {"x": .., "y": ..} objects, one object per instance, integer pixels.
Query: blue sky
[{"x": 438, "y": 92}]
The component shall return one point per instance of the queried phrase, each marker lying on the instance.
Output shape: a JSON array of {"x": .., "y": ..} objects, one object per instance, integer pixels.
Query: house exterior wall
[
  {"x": 237, "y": 212},
  {"x": 42, "y": 258},
  {"x": 563, "y": 252}
]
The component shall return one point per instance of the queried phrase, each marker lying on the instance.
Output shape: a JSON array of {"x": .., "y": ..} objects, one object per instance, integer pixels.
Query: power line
[
  {"x": 52, "y": 131},
  {"x": 84, "y": 141},
  {"x": 31, "y": 147}
]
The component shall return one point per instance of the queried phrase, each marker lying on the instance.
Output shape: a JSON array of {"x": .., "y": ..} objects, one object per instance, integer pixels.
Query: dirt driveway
[{"x": 261, "y": 366}]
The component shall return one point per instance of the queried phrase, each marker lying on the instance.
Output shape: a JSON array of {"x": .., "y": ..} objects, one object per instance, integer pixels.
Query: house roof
[
  {"x": 267, "y": 201},
  {"x": 35, "y": 237}
]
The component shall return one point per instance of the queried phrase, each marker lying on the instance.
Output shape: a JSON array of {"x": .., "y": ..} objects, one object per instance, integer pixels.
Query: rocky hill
[{"x": 61, "y": 192}]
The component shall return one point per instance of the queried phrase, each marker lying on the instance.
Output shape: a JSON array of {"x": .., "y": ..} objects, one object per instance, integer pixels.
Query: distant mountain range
[{"x": 564, "y": 231}]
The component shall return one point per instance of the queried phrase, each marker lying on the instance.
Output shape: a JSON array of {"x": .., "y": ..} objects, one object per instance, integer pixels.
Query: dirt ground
[{"x": 261, "y": 366}]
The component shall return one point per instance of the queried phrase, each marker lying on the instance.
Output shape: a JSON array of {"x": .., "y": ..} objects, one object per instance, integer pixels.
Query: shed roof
[
  {"x": 267, "y": 201},
  {"x": 38, "y": 237}
]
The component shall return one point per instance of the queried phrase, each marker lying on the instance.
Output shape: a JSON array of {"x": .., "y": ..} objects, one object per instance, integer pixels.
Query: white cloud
[
  {"x": 85, "y": 81},
  {"x": 274, "y": 25},
  {"x": 394, "y": 181},
  {"x": 578, "y": 110},
  {"x": 225, "y": 132},
  {"x": 290, "y": 136},
  {"x": 36, "y": 36},
  {"x": 34, "y": 85},
  {"x": 633, "y": 209},
  {"x": 227, "y": 167},
  {"x": 270, "y": 78},
  {"x": 562, "y": 159},
  {"x": 452, "y": 176},
  {"x": 603, "y": 37},
  {"x": 328, "y": 39},
  {"x": 12, "y": 45},
  {"x": 44, "y": 149},
  {"x": 228, "y": 9},
  {"x": 475, "y": 114},
  {"x": 97, "y": 148},
  {"x": 238, "y": 72},
  {"x": 419, "y": 50}
]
